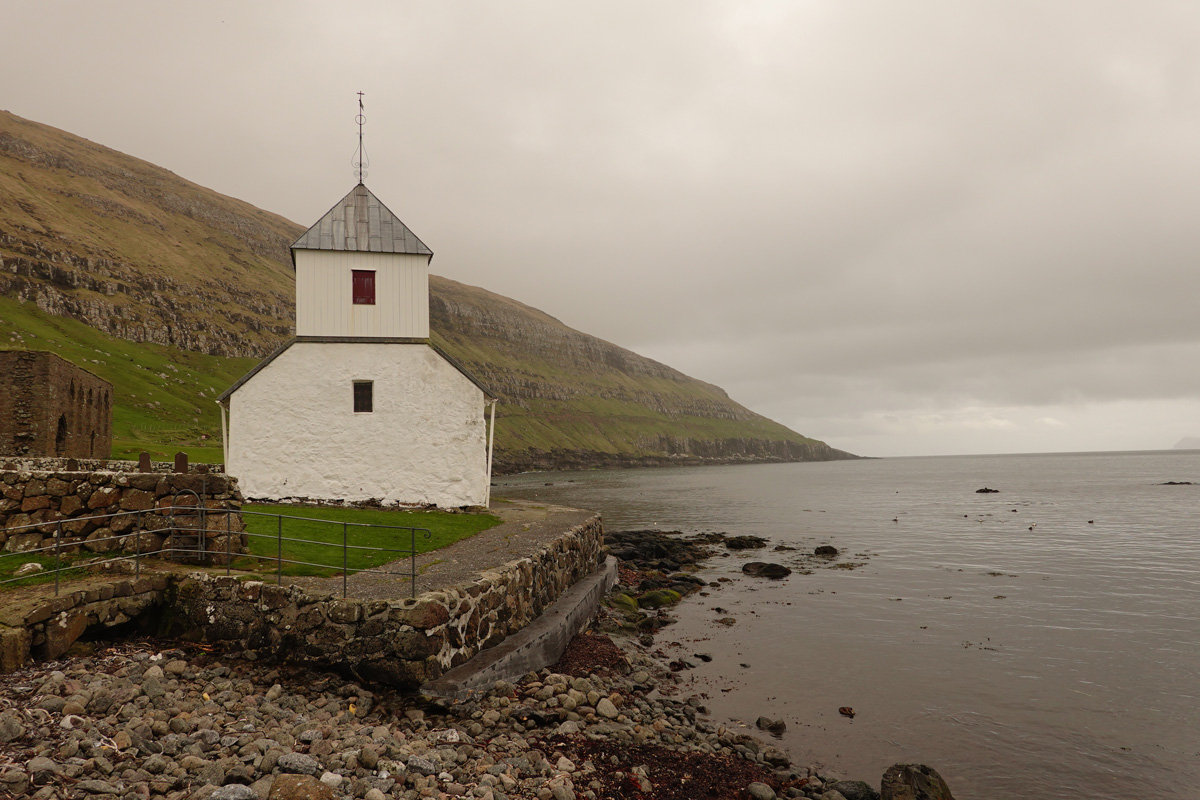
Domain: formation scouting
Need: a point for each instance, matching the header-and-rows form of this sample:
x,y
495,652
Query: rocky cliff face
x,y
133,250
140,254
112,296
535,343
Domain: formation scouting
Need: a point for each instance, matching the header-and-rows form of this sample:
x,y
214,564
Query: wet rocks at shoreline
x,y
657,550
134,721
179,721
745,542
762,569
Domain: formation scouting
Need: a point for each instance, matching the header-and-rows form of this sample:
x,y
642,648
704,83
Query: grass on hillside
x,y
617,423
325,525
164,397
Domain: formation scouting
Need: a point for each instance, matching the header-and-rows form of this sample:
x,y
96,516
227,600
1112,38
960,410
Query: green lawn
x,y
368,528
325,525
11,562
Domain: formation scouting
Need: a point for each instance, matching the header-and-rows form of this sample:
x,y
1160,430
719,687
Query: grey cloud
x,y
844,213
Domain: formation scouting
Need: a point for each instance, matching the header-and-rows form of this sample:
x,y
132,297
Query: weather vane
x,y
361,162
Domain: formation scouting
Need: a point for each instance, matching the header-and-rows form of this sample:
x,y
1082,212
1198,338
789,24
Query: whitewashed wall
x,y
293,431
324,297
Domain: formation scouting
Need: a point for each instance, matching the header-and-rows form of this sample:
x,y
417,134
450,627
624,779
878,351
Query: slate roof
x,y
361,223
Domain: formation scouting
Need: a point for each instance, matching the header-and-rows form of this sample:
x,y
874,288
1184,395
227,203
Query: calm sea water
x,y
1042,642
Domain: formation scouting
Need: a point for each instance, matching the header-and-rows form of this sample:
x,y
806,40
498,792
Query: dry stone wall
x,y
55,464
403,643
45,630
107,511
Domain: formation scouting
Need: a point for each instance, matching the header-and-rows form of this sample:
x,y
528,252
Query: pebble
x,y
130,722
760,791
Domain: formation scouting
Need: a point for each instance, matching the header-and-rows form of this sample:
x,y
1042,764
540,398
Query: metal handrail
x,y
170,512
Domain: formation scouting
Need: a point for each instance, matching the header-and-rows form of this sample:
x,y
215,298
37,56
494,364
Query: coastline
x,y
186,721
612,719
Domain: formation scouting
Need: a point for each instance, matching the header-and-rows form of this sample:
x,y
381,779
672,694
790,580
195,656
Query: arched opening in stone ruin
x,y
60,436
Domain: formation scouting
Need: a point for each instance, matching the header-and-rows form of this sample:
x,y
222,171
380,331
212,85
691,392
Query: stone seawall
x,y
44,629
101,511
402,643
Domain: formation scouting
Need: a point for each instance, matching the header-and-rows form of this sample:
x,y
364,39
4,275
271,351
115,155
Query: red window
x,y
364,287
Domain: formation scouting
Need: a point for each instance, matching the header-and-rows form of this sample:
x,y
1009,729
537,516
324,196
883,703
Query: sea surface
x,y
1040,642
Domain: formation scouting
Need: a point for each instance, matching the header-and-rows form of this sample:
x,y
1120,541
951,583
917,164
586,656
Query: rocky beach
x,y
613,719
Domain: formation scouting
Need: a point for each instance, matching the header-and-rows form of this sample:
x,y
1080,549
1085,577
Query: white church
x,y
360,405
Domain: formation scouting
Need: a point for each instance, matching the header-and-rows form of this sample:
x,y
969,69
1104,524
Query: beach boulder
x,y
913,782
659,598
621,601
762,569
855,790
745,542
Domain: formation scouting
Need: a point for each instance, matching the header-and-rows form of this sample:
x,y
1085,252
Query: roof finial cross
x,y
360,158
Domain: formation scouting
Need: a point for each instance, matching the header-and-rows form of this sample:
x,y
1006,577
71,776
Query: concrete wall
x,y
293,431
50,407
83,502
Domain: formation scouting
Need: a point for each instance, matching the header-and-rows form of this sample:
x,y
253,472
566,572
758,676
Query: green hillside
x,y
171,292
164,397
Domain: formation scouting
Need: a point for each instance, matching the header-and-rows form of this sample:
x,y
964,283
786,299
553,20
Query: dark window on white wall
x,y
364,399
364,287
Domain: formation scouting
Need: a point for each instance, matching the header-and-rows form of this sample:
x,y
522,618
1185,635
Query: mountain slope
x,y
159,270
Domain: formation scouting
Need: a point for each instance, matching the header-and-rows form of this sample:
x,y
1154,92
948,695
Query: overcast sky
x,y
905,228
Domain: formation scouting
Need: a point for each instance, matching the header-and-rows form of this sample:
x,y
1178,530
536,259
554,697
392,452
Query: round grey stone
x,y
10,727
856,790
760,791
422,765
234,791
298,764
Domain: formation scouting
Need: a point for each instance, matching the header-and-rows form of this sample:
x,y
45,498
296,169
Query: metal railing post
x,y
203,537
279,558
412,576
345,559
57,548
137,552
228,536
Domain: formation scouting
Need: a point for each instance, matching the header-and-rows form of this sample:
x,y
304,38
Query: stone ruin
x,y
50,407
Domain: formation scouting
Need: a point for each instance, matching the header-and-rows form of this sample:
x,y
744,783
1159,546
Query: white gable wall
x,y
325,302
294,432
